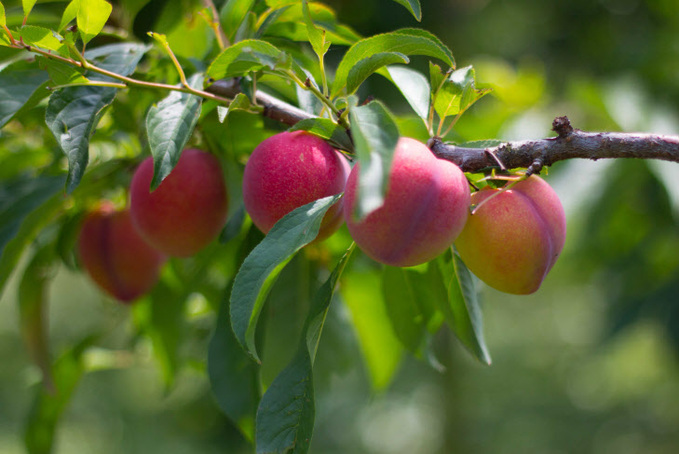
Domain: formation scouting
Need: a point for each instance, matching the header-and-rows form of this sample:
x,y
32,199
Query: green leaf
x,y
73,113
27,204
436,76
260,269
364,68
43,38
413,6
414,87
316,36
458,93
70,13
285,416
32,311
18,81
375,136
326,129
169,125
244,57
233,375
240,102
464,313
3,17
232,15
381,349
62,73
48,406
91,18
28,6
407,41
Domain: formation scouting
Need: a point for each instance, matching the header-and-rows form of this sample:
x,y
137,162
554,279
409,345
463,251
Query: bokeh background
x,y
588,364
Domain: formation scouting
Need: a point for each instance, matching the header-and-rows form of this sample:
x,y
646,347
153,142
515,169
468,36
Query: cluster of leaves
x,y
105,99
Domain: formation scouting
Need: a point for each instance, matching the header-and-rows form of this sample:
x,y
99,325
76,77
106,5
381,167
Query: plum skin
x,y
291,169
187,210
425,207
115,256
514,238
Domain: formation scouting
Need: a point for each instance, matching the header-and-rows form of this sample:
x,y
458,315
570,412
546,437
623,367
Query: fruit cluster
x,y
510,239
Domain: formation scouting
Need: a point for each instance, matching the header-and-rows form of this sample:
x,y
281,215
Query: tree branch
x,y
569,143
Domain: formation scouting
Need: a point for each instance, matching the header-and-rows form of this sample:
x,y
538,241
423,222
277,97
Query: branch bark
x,y
569,143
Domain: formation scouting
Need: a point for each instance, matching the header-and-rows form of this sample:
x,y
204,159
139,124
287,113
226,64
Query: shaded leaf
x,y
73,113
375,136
260,269
232,15
169,125
62,73
364,68
407,41
18,81
413,6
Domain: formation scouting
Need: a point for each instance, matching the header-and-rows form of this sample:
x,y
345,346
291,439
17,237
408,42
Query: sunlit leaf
x,y
364,68
317,36
458,93
414,87
43,38
91,18
233,14
244,57
375,136
28,6
260,269
169,125
70,13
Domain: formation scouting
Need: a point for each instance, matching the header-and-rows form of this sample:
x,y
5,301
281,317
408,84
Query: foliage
x,y
104,86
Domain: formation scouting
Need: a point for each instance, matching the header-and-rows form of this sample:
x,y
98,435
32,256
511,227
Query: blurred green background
x,y
588,364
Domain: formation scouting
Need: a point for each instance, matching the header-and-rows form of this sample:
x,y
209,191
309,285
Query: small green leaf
x,y
27,204
73,113
458,93
413,6
240,102
70,13
414,87
407,41
43,38
91,18
464,313
364,68
375,136
244,57
18,81
326,129
28,6
316,36
436,76
285,416
3,17
260,269
48,406
169,125
233,375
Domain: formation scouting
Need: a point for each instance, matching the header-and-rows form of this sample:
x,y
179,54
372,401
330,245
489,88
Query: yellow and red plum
x,y
291,169
187,210
514,238
425,207
114,255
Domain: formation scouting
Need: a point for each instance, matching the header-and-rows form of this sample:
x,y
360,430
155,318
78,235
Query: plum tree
x,y
115,256
291,169
425,208
187,210
514,237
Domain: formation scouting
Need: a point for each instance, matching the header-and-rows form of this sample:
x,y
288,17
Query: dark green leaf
x,y
285,417
62,73
326,129
375,136
232,15
413,6
18,81
260,269
414,87
233,225
27,204
32,311
91,18
408,41
233,375
403,306
169,125
73,113
464,314
364,68
48,406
